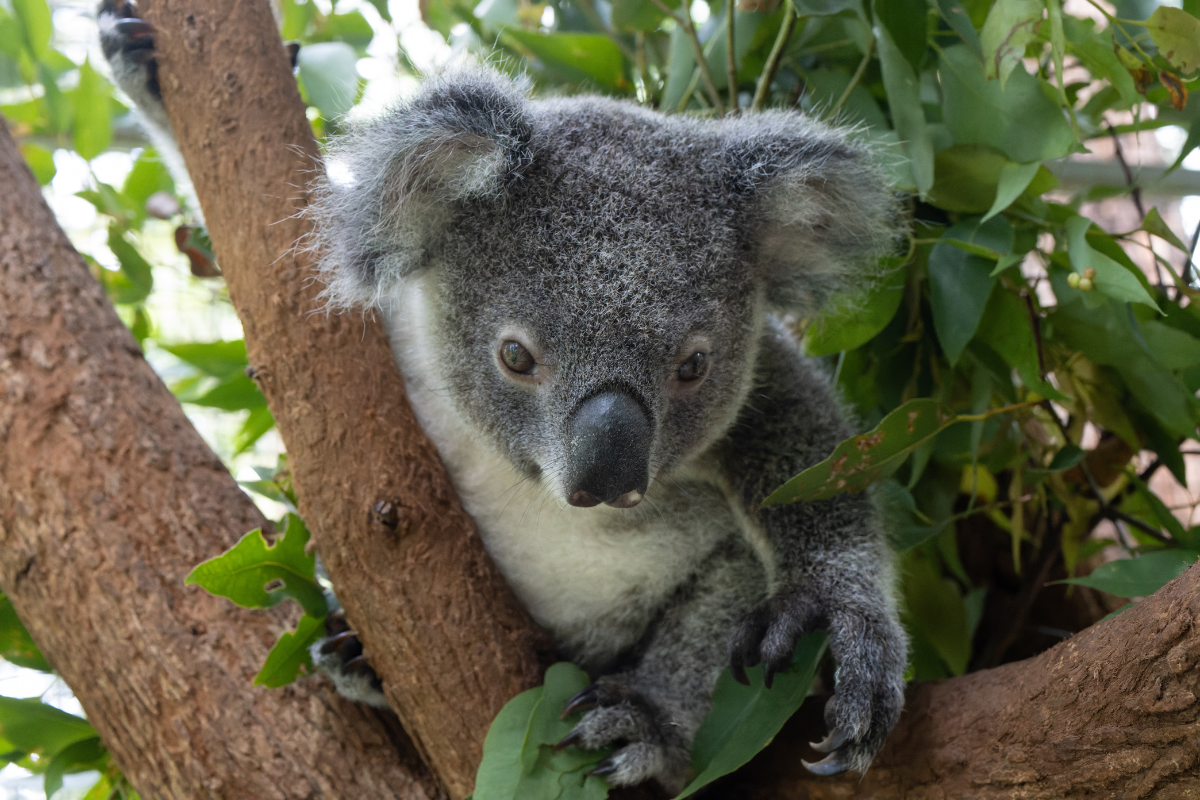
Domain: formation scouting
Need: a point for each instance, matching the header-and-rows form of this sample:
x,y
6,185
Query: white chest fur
x,y
593,577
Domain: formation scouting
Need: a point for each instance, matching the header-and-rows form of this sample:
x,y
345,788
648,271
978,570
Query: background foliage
x,y
1027,372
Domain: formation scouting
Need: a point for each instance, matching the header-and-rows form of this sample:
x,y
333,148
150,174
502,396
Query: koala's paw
x,y
128,44
340,656
871,653
646,746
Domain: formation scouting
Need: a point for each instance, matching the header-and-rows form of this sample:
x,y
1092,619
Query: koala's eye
x,y
516,357
695,368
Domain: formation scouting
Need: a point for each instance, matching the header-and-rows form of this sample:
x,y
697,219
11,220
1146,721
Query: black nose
x,y
608,447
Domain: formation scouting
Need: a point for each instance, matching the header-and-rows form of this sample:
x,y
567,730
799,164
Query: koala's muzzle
x,y
608,451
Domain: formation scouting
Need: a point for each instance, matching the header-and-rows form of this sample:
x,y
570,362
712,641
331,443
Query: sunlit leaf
x,y
87,754
290,654
330,74
16,645
40,161
1140,576
221,359
135,269
584,57
33,17
92,128
1010,26
34,726
243,573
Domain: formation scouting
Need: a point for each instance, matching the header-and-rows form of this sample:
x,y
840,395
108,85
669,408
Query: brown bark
x,y
1109,713
447,637
108,497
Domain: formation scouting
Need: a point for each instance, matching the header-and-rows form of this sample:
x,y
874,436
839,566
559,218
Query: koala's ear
x,y
820,209
392,184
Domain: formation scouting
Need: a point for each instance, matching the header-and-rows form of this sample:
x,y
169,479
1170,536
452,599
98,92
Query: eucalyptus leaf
x,y
82,755
745,719
291,654
243,573
221,359
1112,279
134,268
330,74
92,126
1140,576
959,287
35,727
1014,180
853,321
16,645
1176,34
904,98
583,57
1010,26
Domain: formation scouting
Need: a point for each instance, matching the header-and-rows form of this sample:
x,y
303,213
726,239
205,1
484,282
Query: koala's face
x,y
600,326
599,271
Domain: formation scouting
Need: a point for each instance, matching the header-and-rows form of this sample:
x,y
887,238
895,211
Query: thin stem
x,y
1190,265
1035,321
685,19
643,71
858,73
731,56
769,71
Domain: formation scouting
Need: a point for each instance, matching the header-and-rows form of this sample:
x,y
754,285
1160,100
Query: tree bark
x,y
443,630
1109,713
108,497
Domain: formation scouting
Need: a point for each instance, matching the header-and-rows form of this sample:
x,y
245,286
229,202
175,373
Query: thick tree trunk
x,y
1110,713
447,637
108,497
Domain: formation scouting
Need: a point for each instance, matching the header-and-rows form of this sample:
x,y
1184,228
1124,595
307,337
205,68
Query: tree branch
x,y
443,630
108,498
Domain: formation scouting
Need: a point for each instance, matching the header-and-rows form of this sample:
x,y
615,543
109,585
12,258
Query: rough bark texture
x,y
1109,713
108,496
445,634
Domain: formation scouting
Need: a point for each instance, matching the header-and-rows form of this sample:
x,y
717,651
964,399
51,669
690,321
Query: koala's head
x,y
598,273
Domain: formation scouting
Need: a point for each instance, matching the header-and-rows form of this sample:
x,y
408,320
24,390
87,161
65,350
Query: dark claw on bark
x,y
572,738
357,664
334,642
134,28
604,767
833,741
585,698
832,764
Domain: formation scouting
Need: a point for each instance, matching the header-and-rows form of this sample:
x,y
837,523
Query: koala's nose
x,y
608,440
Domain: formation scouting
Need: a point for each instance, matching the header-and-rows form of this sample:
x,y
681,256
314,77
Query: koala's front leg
x,y
128,44
833,569
651,712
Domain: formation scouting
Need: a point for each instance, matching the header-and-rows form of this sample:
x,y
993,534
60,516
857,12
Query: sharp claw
x,y
585,698
604,767
832,764
739,673
334,642
572,738
356,663
769,676
133,27
833,741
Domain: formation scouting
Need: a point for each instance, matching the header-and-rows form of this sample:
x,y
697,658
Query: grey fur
x,y
613,242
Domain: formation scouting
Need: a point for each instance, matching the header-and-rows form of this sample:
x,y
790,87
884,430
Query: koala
x,y
589,304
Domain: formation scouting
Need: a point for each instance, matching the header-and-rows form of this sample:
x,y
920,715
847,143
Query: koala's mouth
x,y
609,436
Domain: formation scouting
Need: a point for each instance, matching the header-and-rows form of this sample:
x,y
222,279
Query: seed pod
x,y
1073,280
1085,284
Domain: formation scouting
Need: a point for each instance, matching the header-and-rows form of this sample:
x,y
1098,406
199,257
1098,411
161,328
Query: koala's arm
x,y
833,567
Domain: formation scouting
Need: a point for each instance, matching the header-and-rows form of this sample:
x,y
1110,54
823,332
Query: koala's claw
x,y
646,745
585,698
340,656
834,741
834,764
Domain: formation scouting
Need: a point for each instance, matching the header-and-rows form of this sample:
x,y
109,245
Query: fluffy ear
x,y
392,184
821,211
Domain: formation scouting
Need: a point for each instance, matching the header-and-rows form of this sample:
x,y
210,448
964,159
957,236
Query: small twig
x,y
1110,513
1187,268
1145,474
1136,194
685,19
858,73
769,71
730,56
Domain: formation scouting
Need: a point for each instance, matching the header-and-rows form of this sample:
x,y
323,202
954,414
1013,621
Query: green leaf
x,y
959,286
243,572
33,17
221,359
904,98
1112,279
958,19
1007,329
862,460
851,322
934,608
1174,348
83,755
330,74
290,653
40,161
351,28
233,394
905,23
637,15
519,762
1014,180
679,70
1176,34
134,268
1019,119
382,7
745,719
580,57
58,108
1153,223
1010,26
93,128
32,726
16,645
257,423
1140,576
147,177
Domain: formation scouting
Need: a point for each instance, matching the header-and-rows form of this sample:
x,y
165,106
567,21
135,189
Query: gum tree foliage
x,y
1006,326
